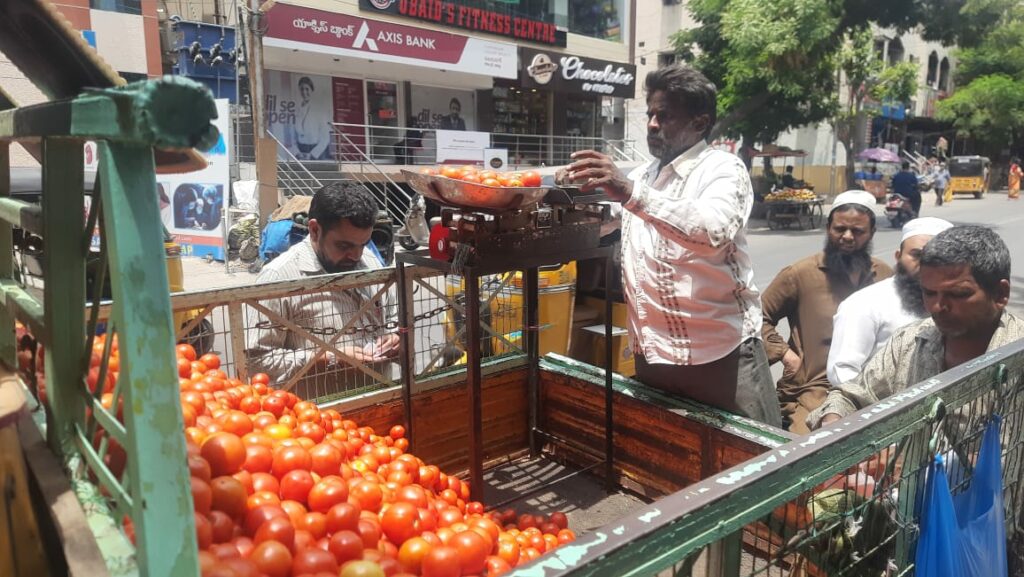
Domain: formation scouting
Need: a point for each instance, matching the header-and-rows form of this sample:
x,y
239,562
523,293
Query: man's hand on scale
x,y
596,170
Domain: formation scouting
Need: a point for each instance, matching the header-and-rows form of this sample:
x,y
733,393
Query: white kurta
x,y
862,325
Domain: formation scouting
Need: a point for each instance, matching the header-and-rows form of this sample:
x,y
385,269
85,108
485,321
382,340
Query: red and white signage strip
x,y
295,27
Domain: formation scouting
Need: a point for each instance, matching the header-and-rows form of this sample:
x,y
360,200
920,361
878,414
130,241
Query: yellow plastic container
x,y
556,299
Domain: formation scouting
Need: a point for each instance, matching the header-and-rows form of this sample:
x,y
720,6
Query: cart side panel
x,y
657,450
440,418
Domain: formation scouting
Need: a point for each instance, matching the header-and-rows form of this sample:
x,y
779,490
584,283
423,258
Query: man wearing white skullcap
x,y
868,317
807,294
965,280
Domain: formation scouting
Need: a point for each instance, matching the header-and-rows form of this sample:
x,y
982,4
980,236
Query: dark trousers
x,y
915,203
740,382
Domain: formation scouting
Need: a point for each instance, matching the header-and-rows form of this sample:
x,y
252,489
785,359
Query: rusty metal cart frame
x,y
804,214
530,265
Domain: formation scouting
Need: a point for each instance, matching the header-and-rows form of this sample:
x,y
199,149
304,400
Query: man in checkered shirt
x,y
694,312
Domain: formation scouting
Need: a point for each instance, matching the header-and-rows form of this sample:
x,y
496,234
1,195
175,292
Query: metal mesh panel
x,y
843,501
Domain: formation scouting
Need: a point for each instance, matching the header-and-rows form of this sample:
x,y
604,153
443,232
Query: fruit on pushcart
x,y
791,195
283,488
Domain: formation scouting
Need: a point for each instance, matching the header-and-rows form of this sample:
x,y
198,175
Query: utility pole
x,y
265,147
835,133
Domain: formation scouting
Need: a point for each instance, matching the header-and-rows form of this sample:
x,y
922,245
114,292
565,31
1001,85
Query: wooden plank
x,y
646,434
80,550
440,418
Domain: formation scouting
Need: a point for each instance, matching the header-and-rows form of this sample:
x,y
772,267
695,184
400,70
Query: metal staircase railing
x,y
292,180
354,162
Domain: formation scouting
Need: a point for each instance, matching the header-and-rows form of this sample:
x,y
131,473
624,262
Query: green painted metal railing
x,y
135,450
844,500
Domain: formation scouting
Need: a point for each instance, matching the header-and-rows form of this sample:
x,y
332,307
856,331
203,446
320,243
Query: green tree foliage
x,y
775,62
990,109
988,104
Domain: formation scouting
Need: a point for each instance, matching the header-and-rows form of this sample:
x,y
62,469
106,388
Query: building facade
x,y
390,73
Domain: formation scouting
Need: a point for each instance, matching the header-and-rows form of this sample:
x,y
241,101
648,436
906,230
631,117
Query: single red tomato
x,y
204,531
497,566
343,517
202,495
272,558
229,496
296,485
531,178
222,525
442,561
224,452
400,522
412,552
314,560
368,494
211,361
290,459
186,351
473,550
256,517
345,546
279,529
327,494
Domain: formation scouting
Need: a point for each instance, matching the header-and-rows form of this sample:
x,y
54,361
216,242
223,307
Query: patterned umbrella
x,y
878,155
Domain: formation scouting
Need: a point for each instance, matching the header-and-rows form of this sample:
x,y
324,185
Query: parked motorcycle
x,y
899,210
415,232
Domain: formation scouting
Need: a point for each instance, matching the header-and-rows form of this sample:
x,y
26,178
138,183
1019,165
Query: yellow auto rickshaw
x,y
968,175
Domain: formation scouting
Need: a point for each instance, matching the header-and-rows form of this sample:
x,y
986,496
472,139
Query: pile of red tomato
x,y
477,175
282,488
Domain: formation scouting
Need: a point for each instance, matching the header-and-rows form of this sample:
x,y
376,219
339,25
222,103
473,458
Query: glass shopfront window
x,y
581,117
382,110
521,124
601,19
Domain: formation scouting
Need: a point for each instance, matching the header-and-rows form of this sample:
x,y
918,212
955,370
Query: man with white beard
x,y
868,317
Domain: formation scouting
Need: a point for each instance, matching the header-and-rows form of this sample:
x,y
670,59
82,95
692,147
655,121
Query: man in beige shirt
x,y
807,294
965,280
341,222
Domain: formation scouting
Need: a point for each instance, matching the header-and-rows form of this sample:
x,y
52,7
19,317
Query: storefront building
x,y
388,72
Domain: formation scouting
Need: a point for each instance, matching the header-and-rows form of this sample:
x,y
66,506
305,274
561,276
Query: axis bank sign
x,y
576,74
307,29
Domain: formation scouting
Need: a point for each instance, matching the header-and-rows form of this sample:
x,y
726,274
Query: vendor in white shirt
x,y
867,318
694,312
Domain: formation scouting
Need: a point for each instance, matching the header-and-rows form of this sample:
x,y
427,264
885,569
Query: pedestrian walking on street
x,y
1014,179
940,180
807,294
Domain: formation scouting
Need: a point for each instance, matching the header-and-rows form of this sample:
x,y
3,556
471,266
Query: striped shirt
x,y
283,353
686,269
914,354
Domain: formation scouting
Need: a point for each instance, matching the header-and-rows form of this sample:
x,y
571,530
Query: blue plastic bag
x,y
965,535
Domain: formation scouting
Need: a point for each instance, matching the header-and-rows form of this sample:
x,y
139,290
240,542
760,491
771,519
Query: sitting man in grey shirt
x,y
352,321
965,280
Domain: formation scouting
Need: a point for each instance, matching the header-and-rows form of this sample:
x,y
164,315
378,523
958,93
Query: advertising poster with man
x,y
443,108
192,204
300,108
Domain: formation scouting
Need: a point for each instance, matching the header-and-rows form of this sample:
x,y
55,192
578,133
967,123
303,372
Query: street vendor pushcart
x,y
800,214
